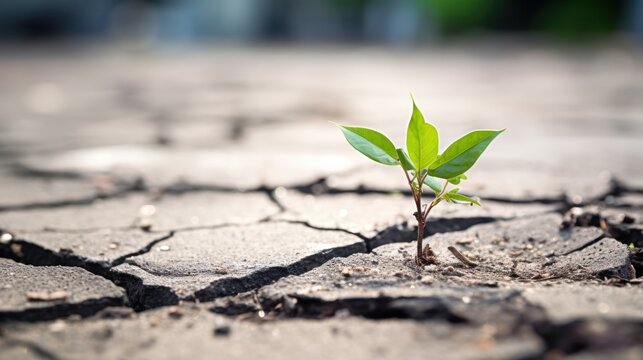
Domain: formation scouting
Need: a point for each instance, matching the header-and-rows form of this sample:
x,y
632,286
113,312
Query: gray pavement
x,y
162,207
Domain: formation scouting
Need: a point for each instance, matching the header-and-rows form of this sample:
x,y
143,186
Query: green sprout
x,y
423,166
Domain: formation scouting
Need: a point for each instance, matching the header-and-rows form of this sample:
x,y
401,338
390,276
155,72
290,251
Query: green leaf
x,y
421,140
433,183
376,146
454,190
462,154
459,198
457,179
404,160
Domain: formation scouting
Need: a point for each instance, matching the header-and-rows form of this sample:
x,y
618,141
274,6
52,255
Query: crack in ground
x,y
144,296
582,247
26,252
233,286
512,312
145,249
315,227
75,202
56,311
399,233
315,187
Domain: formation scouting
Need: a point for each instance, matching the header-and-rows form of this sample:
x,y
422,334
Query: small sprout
x,y
423,165
631,246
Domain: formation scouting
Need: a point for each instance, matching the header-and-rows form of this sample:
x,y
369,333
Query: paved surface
x,y
166,205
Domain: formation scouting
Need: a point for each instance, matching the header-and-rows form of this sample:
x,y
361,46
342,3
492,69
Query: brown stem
x,y
421,258
421,221
420,238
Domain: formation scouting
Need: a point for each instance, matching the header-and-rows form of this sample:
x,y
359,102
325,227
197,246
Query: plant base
x,y
427,258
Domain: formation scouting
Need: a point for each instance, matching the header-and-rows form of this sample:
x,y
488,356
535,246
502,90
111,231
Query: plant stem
x,y
420,215
421,220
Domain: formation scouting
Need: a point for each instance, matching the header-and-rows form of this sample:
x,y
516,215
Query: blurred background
x,y
201,91
374,21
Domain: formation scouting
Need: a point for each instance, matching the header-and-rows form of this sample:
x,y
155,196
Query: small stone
x,y
222,329
221,271
47,296
66,250
431,268
145,224
113,245
464,241
281,192
452,272
289,304
16,249
164,248
347,272
175,312
627,219
427,279
5,238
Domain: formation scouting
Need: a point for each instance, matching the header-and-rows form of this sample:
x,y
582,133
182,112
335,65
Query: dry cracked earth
x,y
162,206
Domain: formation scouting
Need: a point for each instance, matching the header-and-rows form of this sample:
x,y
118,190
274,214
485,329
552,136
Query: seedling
x,y
422,165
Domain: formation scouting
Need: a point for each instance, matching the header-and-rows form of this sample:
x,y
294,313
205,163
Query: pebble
x,y
427,279
175,312
222,329
5,238
347,272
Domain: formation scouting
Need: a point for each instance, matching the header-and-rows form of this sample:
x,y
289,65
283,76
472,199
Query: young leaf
x,y
455,197
376,146
433,183
404,160
457,179
462,154
421,140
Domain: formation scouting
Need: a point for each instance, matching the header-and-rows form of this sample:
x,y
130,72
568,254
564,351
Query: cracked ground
x,y
200,205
